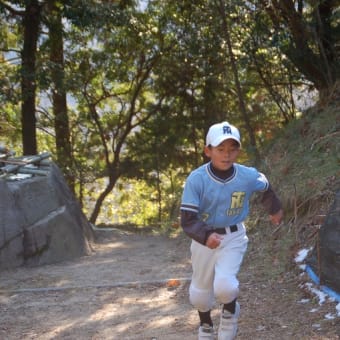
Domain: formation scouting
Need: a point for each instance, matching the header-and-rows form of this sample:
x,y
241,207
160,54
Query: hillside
x,y
303,163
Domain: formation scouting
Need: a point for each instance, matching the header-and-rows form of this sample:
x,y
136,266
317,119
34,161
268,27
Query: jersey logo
x,y
237,201
204,217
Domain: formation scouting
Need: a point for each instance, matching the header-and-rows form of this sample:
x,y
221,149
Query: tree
x,y
115,90
31,19
307,33
31,23
59,95
9,79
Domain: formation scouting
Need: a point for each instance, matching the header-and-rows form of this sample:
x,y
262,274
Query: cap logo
x,y
226,129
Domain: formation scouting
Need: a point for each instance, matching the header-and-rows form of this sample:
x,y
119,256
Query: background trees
x,y
29,19
120,91
308,33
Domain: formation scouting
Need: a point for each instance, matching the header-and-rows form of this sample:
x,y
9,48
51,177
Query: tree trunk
x,y
101,198
61,121
31,22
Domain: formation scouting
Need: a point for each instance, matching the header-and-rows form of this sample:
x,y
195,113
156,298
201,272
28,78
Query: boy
x,y
215,203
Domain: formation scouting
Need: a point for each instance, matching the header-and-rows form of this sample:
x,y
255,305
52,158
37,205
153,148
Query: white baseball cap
x,y
220,132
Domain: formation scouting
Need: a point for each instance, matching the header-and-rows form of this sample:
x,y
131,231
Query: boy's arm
x,y
273,205
277,217
194,227
198,230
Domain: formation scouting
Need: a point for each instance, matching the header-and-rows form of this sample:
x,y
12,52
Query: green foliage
x,y
10,109
136,202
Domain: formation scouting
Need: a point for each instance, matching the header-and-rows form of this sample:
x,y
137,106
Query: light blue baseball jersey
x,y
221,203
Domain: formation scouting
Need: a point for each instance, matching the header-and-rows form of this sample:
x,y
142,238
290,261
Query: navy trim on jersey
x,y
217,178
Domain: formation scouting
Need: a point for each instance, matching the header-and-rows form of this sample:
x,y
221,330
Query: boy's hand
x,y
277,218
214,240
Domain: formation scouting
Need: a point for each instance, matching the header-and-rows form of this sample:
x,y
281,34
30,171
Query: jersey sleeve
x,y
191,194
269,200
261,182
191,224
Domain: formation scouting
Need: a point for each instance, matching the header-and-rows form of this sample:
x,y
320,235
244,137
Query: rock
x,y
325,257
41,222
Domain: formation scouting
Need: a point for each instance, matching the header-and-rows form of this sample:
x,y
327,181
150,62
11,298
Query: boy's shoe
x,y
228,324
206,332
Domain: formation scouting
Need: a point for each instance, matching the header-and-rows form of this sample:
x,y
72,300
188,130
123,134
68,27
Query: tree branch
x,y
11,9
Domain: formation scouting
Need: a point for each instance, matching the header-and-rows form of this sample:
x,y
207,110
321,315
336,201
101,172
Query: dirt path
x,y
125,291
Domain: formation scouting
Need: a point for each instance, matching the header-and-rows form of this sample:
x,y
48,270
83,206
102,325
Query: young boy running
x,y
215,203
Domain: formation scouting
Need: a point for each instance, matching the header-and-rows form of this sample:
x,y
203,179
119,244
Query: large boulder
x,y
41,222
325,257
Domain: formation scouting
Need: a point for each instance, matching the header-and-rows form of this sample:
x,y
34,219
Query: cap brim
x,y
221,139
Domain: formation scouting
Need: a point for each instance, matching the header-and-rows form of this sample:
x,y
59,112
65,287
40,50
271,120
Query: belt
x,y
223,231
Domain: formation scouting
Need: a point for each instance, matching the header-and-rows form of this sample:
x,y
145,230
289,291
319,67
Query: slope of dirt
x,y
134,286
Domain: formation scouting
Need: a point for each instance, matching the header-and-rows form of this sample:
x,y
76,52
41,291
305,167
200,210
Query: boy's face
x,y
224,155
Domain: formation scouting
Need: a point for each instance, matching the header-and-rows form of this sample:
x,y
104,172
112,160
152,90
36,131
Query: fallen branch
x,y
324,137
30,160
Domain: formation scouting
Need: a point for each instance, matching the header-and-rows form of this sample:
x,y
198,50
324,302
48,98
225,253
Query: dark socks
x,y
230,307
205,318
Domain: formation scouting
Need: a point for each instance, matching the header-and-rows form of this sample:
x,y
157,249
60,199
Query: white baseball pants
x,y
215,270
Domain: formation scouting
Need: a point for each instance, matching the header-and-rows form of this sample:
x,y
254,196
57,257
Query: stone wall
x,y
41,222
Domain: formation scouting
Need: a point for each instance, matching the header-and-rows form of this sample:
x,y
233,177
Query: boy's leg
x,y
205,318
230,307
228,324
201,287
203,266
229,259
226,285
